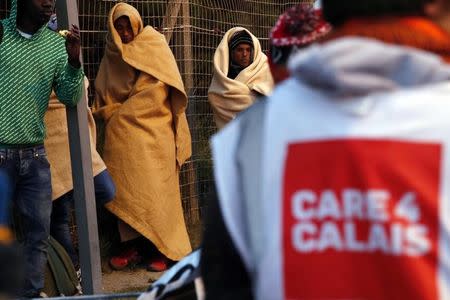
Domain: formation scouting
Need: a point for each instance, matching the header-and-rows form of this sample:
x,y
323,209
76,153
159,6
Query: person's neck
x,y
25,24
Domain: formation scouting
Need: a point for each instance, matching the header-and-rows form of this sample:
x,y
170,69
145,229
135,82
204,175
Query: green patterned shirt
x,y
29,69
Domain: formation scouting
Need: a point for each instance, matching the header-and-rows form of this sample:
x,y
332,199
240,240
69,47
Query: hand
x,y
73,46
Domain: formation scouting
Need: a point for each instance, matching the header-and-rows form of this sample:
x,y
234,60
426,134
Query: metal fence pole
x,y
80,151
188,71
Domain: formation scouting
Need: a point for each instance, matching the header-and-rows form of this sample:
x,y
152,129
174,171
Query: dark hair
x,y
337,12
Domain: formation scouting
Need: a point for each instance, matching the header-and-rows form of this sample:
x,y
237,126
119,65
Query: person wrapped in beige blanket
x,y
140,97
58,155
241,74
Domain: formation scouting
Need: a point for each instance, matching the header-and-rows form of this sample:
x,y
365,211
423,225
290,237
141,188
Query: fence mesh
x,y
193,28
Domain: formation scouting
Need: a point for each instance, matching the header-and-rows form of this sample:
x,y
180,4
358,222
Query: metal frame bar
x,y
80,152
170,19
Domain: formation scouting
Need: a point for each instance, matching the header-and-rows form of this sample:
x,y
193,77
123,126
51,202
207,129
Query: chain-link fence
x,y
193,29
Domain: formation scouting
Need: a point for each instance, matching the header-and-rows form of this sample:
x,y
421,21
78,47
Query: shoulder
x,y
435,94
152,38
54,45
149,30
52,36
4,22
53,39
440,90
4,25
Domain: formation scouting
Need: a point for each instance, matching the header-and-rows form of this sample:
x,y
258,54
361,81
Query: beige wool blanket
x,y
57,147
140,96
228,96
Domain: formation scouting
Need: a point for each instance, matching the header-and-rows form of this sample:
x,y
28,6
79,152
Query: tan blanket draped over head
x,y
57,147
140,95
228,96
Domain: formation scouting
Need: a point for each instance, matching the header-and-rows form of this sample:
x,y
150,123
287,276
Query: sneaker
x,y
158,265
127,258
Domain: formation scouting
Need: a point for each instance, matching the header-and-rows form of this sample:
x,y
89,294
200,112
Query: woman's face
x,y
123,27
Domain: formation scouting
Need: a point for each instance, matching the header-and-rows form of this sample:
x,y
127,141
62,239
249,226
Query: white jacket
x,y
337,187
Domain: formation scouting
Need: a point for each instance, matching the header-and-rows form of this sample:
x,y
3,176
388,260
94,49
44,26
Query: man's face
x,y
123,27
39,11
242,55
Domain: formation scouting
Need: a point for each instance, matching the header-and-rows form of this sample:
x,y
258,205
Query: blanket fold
x,y
57,147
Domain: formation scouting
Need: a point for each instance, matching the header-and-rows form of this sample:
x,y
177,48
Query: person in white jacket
x,y
337,186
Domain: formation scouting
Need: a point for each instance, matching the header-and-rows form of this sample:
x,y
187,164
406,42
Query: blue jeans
x,y
105,190
25,178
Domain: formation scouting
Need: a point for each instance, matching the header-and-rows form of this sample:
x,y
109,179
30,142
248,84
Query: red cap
x,y
299,26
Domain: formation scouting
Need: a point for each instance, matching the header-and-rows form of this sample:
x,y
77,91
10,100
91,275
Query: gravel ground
x,y
137,280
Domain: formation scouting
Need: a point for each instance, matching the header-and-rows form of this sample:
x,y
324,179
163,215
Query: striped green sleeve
x,y
69,84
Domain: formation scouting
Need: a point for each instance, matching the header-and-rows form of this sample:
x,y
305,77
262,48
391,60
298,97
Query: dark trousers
x,y
105,191
25,178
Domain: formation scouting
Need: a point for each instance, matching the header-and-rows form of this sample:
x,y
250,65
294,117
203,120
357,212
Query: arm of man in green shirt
x,y
69,79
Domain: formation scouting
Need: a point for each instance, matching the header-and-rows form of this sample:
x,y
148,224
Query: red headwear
x,y
299,26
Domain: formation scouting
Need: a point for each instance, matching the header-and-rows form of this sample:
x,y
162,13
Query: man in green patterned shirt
x,y
33,61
